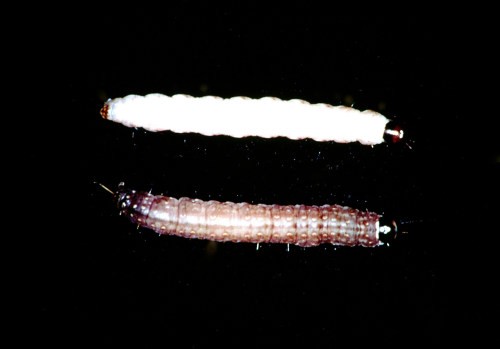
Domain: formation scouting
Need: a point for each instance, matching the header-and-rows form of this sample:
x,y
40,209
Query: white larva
x,y
241,117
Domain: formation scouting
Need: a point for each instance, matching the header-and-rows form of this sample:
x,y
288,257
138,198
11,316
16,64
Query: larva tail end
x,y
104,111
393,133
388,230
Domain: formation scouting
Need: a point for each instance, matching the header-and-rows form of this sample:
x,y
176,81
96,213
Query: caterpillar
x,y
267,117
242,222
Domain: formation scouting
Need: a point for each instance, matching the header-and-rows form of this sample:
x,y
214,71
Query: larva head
x,y
123,197
393,133
104,111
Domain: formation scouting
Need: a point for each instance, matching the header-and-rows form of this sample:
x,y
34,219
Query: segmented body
x,y
241,117
242,222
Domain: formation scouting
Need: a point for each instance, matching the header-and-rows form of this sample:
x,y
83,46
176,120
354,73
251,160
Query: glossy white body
x,y
241,117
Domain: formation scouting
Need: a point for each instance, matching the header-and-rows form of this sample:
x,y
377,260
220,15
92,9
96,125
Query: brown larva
x,y
242,222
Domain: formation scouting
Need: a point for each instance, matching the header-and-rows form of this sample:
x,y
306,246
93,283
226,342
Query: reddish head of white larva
x,y
242,222
241,117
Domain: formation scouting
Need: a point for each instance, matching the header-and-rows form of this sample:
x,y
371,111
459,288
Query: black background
x,y
111,281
